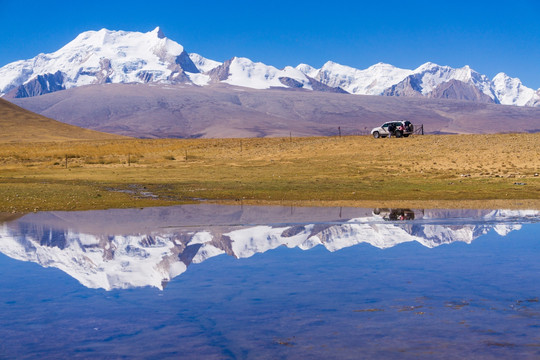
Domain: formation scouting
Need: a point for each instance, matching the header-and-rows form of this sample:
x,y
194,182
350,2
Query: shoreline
x,y
528,204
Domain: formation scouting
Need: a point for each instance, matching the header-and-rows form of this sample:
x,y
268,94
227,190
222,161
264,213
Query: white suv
x,y
395,128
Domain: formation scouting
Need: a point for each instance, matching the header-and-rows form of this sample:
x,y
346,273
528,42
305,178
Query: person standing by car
x,y
391,130
409,127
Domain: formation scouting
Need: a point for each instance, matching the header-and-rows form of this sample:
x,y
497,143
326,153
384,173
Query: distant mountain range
x,y
104,56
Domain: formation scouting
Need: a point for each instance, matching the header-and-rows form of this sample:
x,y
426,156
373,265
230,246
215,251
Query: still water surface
x,y
235,282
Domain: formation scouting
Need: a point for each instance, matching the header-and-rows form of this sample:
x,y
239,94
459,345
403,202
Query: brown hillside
x,y
20,125
220,111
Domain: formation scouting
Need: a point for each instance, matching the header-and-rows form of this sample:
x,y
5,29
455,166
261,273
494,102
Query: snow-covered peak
x,y
535,100
104,56
202,63
371,81
331,65
159,33
380,66
256,75
502,78
112,43
297,75
465,74
428,66
510,91
308,70
446,73
430,75
244,72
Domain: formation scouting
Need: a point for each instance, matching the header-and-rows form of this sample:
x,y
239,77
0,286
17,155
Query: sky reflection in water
x,y
349,283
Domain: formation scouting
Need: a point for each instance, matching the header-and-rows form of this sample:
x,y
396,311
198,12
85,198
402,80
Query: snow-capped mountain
x,y
246,73
104,56
256,75
109,259
511,91
535,101
437,81
203,64
97,57
371,81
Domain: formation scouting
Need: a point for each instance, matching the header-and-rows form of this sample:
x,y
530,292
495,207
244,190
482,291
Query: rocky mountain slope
x,y
104,56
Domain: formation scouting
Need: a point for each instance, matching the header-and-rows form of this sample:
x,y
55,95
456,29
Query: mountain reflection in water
x,y
113,249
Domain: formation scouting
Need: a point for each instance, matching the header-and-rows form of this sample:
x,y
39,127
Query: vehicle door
x,y
384,129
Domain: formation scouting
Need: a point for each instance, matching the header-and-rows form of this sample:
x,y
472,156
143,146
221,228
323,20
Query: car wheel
x,y
405,135
376,135
399,133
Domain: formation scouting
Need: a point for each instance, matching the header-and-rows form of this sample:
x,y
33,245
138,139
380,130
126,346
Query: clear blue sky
x,y
490,36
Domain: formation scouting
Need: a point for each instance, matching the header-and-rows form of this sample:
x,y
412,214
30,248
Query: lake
x,y
253,282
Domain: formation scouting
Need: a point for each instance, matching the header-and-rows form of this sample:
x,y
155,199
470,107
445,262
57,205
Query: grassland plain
x,y
475,171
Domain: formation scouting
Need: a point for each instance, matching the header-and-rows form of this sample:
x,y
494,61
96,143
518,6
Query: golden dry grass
x,y
442,171
20,125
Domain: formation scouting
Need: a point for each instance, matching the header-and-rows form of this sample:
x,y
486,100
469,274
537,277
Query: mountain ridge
x,y
105,56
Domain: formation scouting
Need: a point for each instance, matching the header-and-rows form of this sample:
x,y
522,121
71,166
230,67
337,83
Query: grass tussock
x,y
346,170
